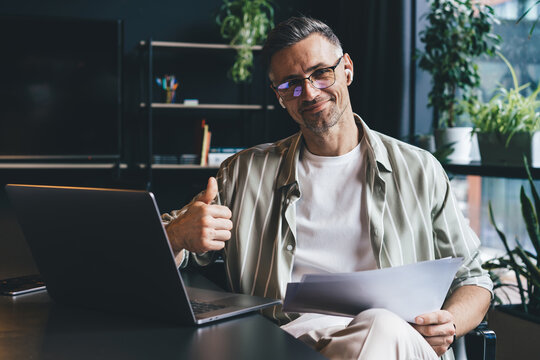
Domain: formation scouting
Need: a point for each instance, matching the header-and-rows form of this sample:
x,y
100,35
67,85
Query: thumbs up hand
x,y
210,193
204,226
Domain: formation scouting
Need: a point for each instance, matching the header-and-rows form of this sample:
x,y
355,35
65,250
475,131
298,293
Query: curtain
x,y
377,34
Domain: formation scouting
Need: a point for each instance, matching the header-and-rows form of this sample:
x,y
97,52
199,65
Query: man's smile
x,y
314,107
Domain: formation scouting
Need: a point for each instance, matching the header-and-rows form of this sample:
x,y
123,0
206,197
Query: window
x,y
523,52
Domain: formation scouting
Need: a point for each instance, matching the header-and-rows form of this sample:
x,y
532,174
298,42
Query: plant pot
x,y
516,332
493,150
425,141
460,139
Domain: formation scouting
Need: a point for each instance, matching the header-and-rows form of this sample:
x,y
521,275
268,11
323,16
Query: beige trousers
x,y
372,334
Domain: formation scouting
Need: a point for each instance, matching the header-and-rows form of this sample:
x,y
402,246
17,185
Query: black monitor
x,y
60,88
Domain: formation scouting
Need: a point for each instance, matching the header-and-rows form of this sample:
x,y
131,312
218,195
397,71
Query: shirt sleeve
x,y
453,236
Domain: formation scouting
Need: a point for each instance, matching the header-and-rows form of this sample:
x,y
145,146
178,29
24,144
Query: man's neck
x,y
338,140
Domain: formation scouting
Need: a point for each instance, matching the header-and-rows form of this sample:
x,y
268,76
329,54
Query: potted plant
x,y
515,325
458,31
246,23
508,124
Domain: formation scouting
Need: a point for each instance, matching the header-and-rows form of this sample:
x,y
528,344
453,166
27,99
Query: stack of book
x,y
218,154
204,154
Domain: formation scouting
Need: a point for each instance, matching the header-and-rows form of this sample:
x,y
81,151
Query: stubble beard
x,y
319,123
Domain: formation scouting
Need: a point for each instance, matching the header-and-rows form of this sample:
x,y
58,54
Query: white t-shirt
x,y
332,223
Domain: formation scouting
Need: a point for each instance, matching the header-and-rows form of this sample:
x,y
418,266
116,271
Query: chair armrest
x,y
480,343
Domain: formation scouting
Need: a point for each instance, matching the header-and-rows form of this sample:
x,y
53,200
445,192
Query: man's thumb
x,y
211,191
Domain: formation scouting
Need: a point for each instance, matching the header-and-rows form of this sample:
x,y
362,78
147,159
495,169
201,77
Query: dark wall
x,y
161,20
371,32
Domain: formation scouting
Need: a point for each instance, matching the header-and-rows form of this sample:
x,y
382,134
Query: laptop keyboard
x,y
202,307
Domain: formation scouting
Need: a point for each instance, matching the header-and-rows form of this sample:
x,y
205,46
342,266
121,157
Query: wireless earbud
x,y
349,74
281,103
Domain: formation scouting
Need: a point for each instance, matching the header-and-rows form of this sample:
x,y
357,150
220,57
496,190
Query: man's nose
x,y
309,92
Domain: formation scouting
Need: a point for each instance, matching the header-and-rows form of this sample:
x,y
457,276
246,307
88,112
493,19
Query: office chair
x,y
480,343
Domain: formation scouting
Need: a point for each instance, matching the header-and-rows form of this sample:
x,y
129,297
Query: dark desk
x,y
33,327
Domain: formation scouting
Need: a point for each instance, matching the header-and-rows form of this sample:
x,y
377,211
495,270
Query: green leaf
x,y
508,111
246,23
532,27
531,220
513,263
533,271
526,12
536,198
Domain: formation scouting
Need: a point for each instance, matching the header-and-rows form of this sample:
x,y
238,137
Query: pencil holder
x,y
167,84
170,96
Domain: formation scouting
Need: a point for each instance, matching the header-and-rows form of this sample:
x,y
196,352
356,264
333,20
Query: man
x,y
336,197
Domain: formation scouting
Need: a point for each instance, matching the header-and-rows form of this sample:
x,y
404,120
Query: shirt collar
x,y
378,152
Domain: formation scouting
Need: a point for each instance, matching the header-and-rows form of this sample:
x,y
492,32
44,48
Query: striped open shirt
x,y
413,215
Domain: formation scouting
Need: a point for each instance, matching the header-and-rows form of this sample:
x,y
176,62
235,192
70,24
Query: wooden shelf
x,y
183,167
59,166
207,106
189,45
148,48
179,167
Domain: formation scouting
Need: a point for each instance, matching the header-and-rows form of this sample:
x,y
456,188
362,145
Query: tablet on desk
x,y
21,285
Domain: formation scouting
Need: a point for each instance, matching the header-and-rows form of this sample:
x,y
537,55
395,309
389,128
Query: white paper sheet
x,y
408,290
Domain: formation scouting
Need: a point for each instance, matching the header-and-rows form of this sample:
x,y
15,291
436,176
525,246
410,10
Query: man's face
x,y
318,110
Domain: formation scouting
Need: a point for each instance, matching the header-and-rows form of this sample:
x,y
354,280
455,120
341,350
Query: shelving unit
x,y
34,166
149,105
496,186
177,44
477,168
179,167
208,106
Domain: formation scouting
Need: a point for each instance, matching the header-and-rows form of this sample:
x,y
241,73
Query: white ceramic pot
x,y
460,139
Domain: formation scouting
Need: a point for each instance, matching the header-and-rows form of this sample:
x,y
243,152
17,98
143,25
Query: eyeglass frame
x,y
308,78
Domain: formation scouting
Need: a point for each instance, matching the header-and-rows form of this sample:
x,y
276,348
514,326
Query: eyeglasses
x,y
319,79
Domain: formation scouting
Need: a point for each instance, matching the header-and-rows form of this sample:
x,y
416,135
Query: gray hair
x,y
294,30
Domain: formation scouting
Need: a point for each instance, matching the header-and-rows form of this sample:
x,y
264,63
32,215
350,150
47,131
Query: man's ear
x,y
349,68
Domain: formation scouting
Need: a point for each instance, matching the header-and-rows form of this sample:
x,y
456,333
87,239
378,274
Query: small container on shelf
x,y
168,84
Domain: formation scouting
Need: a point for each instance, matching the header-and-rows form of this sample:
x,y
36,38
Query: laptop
x,y
107,249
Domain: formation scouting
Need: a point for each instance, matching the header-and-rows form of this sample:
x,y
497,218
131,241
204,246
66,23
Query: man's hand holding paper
x,y
408,291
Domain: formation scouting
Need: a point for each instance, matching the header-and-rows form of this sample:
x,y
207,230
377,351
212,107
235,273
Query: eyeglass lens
x,y
320,79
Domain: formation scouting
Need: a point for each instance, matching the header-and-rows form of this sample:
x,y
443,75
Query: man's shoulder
x,y
397,149
405,157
